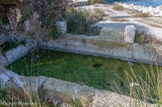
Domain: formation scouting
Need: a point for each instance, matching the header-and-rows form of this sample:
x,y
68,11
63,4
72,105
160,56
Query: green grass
x,y
80,69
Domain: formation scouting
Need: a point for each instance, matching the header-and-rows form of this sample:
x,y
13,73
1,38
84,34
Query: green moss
x,y
88,70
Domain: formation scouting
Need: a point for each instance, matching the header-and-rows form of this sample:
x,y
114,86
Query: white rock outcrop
x,y
150,10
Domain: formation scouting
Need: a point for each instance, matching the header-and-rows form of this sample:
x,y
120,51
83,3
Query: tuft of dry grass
x,y
148,88
119,20
150,24
141,15
118,7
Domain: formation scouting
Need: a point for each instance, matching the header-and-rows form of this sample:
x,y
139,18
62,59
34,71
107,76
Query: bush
x,y
43,15
118,7
80,21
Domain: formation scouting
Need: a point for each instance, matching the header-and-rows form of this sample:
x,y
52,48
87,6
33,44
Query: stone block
x,y
113,35
129,34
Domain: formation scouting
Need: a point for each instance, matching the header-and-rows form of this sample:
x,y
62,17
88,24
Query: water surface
x,y
153,3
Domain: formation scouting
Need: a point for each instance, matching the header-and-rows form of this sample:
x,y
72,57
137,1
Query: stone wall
x,y
110,43
61,92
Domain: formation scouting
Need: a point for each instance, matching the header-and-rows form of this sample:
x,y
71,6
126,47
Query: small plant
x,y
139,38
118,7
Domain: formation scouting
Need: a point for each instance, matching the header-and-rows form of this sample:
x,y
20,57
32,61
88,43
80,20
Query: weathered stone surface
x,y
62,26
6,75
62,92
33,84
129,34
114,35
146,53
93,46
111,99
68,91
27,25
3,61
18,52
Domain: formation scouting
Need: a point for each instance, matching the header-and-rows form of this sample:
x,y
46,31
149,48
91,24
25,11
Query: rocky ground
x,y
120,19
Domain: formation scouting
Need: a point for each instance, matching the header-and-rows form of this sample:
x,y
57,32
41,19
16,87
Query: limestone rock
x,y
33,84
129,34
62,26
146,53
114,35
68,91
3,61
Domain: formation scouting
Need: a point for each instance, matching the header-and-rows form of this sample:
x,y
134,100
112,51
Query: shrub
x,y
139,38
117,7
43,15
80,21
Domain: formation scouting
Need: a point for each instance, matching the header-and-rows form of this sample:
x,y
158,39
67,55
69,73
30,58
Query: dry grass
x,y
153,20
150,24
131,12
141,15
96,1
119,20
105,5
96,5
108,10
118,7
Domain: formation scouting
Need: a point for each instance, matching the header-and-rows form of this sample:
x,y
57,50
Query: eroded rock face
x,y
113,35
129,34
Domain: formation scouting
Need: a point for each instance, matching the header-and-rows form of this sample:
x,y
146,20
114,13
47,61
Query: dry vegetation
x,y
141,15
119,20
153,20
96,1
118,7
150,24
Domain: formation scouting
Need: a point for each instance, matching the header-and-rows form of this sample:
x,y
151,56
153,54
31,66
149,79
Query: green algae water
x,y
98,72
